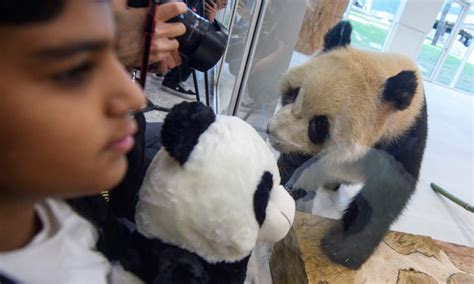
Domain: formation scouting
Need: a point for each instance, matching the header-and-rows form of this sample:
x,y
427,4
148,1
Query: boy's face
x,y
64,105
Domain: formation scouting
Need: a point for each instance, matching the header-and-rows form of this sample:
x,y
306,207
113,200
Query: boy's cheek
x,y
58,142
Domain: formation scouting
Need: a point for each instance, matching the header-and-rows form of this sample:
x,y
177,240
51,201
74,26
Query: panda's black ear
x,y
400,89
182,128
338,36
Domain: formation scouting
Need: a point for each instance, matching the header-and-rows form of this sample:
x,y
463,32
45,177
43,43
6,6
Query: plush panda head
x,y
214,188
344,101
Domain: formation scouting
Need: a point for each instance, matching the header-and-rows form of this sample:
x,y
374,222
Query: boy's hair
x,y
17,12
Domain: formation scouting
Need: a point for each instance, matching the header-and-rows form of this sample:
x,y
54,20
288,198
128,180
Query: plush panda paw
x,y
342,249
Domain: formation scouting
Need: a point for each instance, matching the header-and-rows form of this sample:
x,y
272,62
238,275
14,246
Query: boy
x,y
65,104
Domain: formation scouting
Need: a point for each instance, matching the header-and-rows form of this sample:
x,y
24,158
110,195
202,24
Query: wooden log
x,y
400,258
321,15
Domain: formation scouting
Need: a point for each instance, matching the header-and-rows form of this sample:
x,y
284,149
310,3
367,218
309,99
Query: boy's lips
x,y
125,142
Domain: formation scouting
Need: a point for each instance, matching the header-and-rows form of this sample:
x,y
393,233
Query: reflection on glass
x,y
437,40
233,59
466,80
371,21
276,42
224,16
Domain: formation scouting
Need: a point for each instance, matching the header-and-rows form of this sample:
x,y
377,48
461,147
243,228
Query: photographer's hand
x,y
130,25
210,10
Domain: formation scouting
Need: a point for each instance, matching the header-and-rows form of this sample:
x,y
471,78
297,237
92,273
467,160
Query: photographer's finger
x,y
169,30
163,67
171,62
164,45
210,7
169,10
176,57
119,3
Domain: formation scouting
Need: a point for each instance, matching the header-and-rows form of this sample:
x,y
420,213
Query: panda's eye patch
x,y
318,129
261,197
289,96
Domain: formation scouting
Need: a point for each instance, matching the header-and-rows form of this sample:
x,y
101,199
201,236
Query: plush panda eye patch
x,y
318,129
261,197
289,96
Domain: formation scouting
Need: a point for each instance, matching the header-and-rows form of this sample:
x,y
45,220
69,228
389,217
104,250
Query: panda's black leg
x,y
370,214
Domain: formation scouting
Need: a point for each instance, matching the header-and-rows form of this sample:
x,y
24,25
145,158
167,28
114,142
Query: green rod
x,y
453,198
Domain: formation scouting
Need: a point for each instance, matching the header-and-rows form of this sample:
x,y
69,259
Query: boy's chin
x,y
96,181
110,178
115,174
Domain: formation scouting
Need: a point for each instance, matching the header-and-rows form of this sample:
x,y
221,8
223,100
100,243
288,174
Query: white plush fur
x,y
206,206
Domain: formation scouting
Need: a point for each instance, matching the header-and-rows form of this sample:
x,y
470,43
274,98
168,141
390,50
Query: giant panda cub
x,y
353,117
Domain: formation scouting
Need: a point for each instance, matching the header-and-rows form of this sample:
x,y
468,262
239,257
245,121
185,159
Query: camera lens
x,y
203,43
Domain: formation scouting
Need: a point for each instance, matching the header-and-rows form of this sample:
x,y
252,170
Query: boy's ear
x,y
182,128
338,36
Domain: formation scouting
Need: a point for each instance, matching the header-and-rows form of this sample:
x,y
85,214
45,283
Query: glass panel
x,y
371,21
456,54
466,80
272,54
437,40
239,41
224,16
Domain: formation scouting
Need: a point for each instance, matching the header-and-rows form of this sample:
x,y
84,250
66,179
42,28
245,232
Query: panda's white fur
x,y
345,84
206,205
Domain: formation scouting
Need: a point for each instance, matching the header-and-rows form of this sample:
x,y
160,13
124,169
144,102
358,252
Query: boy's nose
x,y
129,97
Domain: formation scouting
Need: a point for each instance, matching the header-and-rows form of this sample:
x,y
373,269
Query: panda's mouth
x,y
277,145
276,142
282,145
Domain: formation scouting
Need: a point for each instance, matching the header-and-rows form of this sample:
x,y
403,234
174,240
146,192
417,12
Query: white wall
x,y
415,22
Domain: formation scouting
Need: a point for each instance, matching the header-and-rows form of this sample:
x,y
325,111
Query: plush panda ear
x,y
182,128
338,36
400,89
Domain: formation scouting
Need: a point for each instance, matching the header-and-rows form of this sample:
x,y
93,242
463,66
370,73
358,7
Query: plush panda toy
x,y
210,195
353,117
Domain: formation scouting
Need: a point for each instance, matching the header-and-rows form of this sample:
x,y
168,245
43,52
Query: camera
x,y
203,43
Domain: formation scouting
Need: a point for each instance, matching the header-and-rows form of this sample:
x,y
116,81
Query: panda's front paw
x,y
342,249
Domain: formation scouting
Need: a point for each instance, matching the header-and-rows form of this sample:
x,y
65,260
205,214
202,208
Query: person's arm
x,y
130,26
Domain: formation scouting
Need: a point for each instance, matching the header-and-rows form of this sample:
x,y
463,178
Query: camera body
x,y
203,43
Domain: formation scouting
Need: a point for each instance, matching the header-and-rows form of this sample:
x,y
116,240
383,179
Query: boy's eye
x,y
74,76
